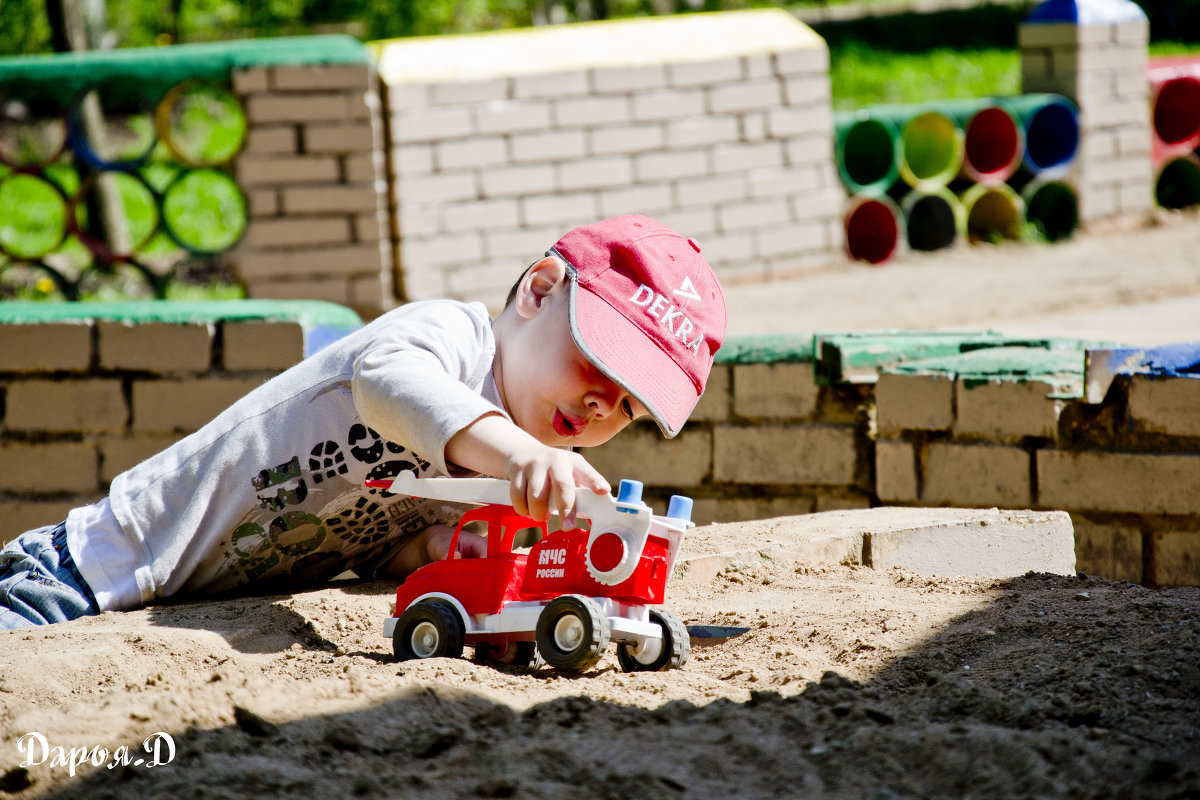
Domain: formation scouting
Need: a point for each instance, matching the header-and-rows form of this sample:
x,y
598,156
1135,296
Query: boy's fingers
x,y
516,494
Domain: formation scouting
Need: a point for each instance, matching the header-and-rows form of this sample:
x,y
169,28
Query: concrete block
x,y
707,511
515,181
757,66
896,471
259,170
1119,482
700,222
1001,409
321,139
1047,35
468,92
432,125
807,90
444,250
564,209
262,203
840,502
45,346
408,97
297,232
166,406
363,167
333,290
977,475
1176,557
1108,549
714,404
271,140
752,215
1164,405
436,188
790,238
49,467
477,151
641,453
267,109
671,165
261,345
753,126
556,145
914,402
800,62
412,159
774,391
119,453
776,454
328,200
712,190
595,173
652,199
339,261
248,81
586,112
787,121
512,117
1134,198
668,104
66,406
481,215
702,131
369,227
155,346
559,84
745,157
704,73
525,245
307,77
628,79
19,516
626,139
745,96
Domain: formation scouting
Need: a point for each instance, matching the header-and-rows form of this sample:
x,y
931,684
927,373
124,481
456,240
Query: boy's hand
x,y
431,545
543,479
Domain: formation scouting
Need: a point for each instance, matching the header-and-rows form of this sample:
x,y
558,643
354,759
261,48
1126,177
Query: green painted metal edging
x,y
1060,367
306,312
766,349
153,70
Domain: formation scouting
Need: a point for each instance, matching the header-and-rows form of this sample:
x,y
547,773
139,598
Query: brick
x,y
1119,482
699,222
437,188
481,215
753,126
19,516
585,112
914,402
669,104
642,453
807,90
412,159
329,200
262,203
757,66
187,405
671,165
302,77
1164,405
1047,34
1176,557
595,173
1110,550
61,406
431,125
1000,409
711,190
49,467
517,180
272,141
559,84
445,250
45,346
548,146
977,475
524,244
408,97
821,455
625,139
264,109
895,471
752,215
512,117
745,96
261,345
651,199
703,73
744,157
468,92
790,238
340,138
297,231
247,81
799,62
155,346
561,208
774,391
714,404
628,79
701,131
119,453
481,280
369,227
363,167
478,151
257,170
337,260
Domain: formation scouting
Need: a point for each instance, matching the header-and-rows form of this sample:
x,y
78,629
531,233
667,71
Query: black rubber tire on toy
x,y
672,652
572,633
517,654
428,630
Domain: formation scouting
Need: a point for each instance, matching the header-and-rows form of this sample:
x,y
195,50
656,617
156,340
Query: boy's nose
x,y
602,400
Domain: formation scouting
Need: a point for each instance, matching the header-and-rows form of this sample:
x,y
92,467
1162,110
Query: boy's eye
x,y
627,409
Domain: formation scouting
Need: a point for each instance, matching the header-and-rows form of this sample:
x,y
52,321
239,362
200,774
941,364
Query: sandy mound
x,y
850,682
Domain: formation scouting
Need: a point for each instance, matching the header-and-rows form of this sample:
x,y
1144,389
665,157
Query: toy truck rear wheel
x,y
428,630
572,633
669,652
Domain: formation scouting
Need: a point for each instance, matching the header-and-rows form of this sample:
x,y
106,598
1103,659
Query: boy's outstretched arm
x,y
543,478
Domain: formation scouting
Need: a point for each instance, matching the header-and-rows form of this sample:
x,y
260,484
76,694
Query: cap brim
x,y
632,360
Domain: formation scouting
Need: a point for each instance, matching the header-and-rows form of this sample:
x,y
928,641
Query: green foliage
x,y
860,75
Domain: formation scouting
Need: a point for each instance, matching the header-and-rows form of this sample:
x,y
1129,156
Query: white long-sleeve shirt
x,y
272,488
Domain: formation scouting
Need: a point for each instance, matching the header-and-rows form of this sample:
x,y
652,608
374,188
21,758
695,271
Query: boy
x,y
619,319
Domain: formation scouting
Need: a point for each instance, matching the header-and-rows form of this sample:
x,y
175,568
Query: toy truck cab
x,y
566,598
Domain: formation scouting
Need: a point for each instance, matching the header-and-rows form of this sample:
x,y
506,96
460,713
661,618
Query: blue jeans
x,y
39,582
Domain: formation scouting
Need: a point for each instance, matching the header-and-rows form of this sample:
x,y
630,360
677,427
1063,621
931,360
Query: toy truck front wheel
x,y
428,630
572,633
670,651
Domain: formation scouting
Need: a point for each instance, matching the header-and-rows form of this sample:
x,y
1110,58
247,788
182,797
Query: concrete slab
x,y
982,543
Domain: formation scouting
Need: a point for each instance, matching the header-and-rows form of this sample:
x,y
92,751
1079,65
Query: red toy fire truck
x,y
568,596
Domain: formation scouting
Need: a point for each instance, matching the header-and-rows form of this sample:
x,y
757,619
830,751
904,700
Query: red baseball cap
x,y
646,309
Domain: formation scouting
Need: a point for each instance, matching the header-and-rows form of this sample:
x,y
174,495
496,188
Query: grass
x,y
861,76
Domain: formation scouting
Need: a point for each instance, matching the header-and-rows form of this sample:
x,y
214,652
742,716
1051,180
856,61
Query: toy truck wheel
x,y
669,652
428,630
572,633
517,654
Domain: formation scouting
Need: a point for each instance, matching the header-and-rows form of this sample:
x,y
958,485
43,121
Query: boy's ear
x,y
540,281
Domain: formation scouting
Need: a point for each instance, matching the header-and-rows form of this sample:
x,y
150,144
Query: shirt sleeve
x,y
417,381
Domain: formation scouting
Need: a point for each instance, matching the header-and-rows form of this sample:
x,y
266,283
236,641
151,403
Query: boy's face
x,y
548,386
